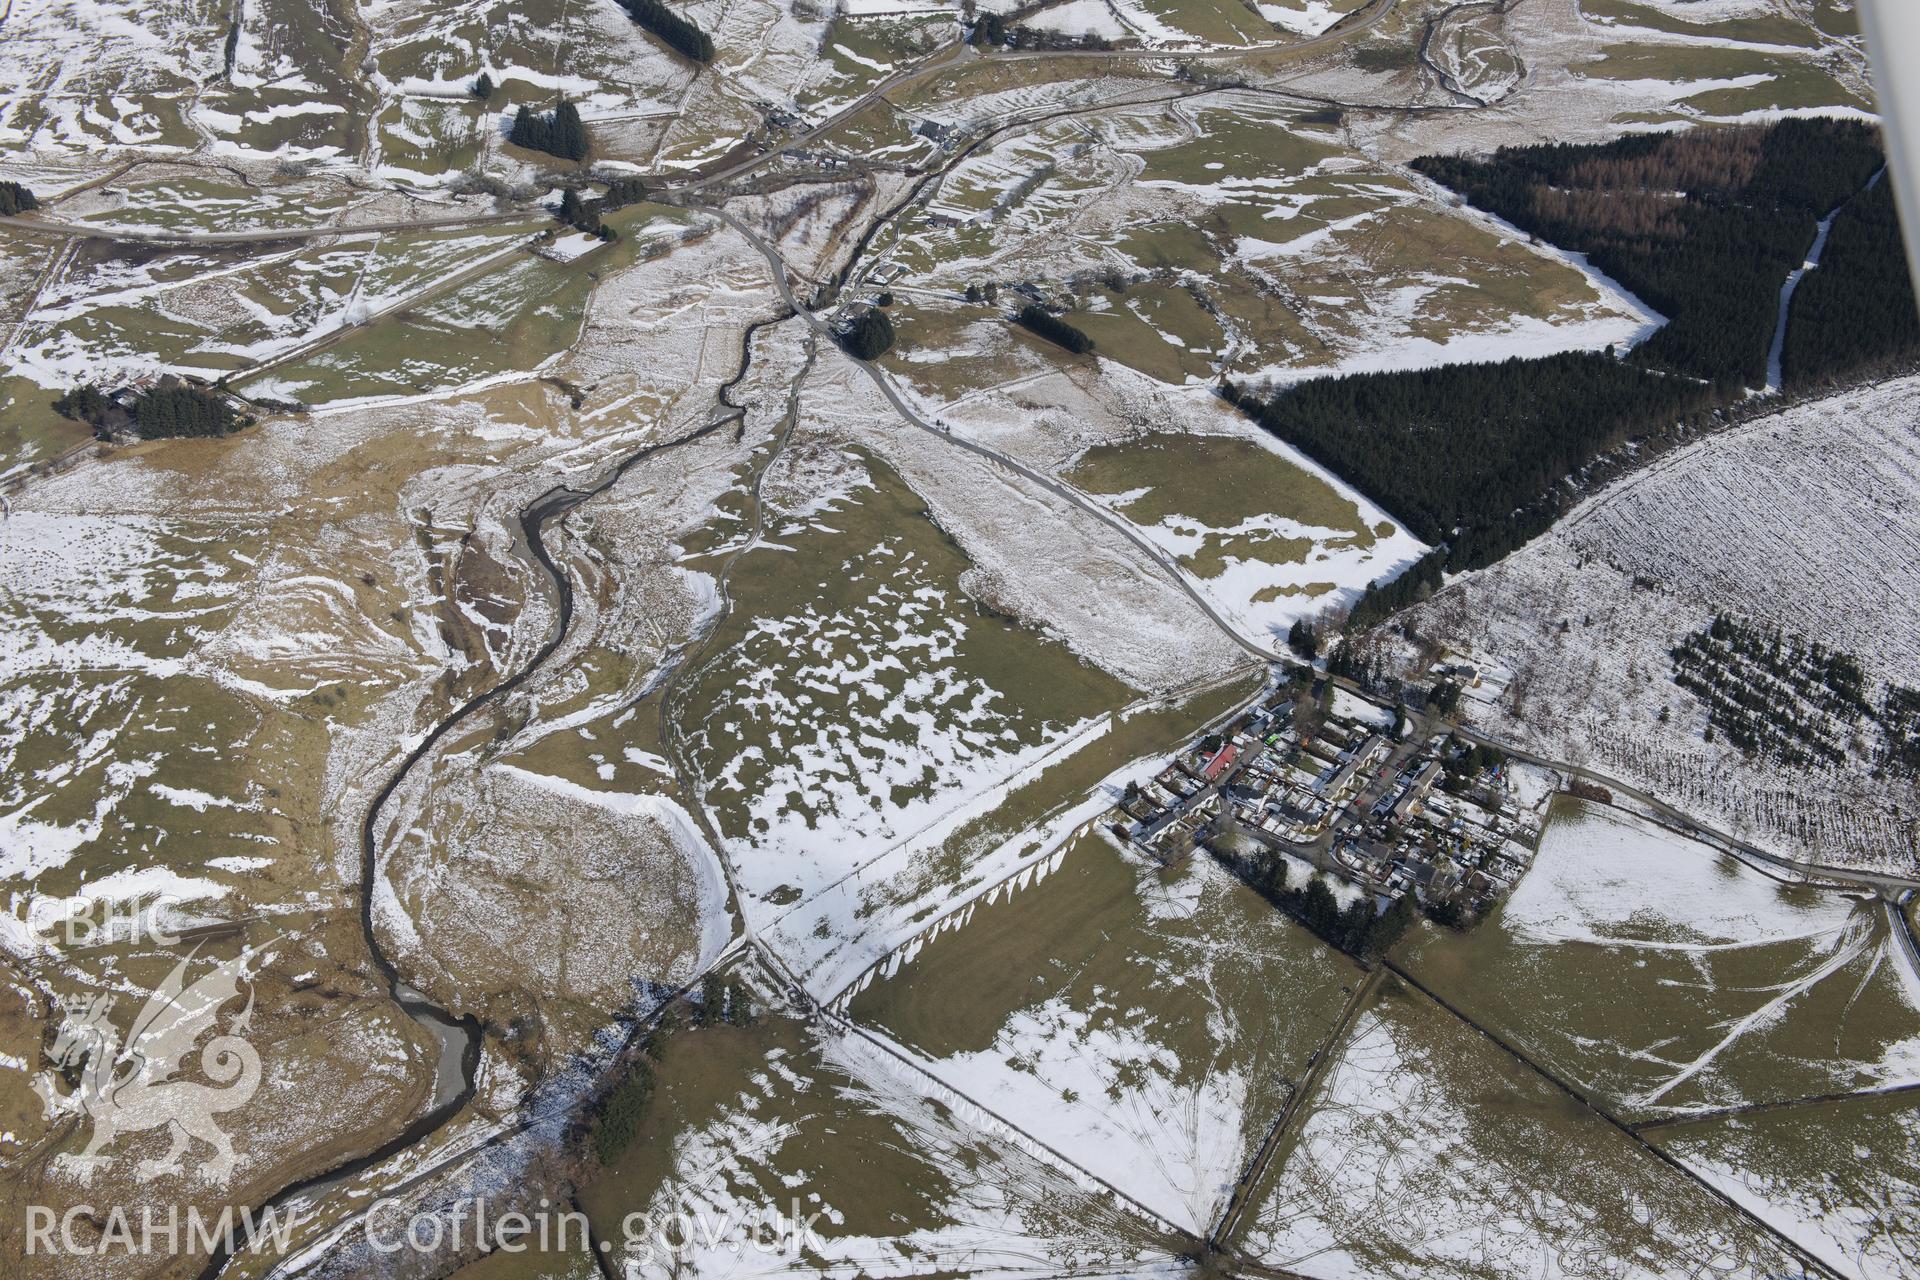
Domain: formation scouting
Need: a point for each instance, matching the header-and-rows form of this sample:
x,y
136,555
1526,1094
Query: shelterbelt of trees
x,y
676,31
161,412
1705,226
1037,319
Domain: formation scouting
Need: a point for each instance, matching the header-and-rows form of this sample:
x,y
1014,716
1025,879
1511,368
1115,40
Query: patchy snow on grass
x,y
1303,17
1426,1152
715,923
1608,877
1080,18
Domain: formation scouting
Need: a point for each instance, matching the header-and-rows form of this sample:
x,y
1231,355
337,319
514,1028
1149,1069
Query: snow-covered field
x,y
1840,1179
892,1174
1426,1151
1802,521
1126,1018
1667,978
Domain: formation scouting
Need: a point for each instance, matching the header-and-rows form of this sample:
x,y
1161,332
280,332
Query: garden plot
x,y
857,695
1426,1151
1841,1178
1147,1024
896,1176
1230,237
1664,978
1792,520
1269,541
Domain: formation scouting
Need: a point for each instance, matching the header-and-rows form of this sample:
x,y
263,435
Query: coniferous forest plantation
x,y
1856,315
1704,226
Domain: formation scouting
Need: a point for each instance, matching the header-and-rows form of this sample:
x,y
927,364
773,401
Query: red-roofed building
x,y
1221,762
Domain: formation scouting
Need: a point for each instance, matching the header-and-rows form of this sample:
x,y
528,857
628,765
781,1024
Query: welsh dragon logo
x,y
130,1088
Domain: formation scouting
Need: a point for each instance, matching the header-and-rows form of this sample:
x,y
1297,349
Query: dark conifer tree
x,y
15,199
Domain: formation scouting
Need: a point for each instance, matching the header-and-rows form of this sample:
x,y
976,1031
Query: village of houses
x,y
1373,799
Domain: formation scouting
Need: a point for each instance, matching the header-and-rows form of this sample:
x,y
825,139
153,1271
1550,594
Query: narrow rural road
x,y
1880,881
958,54
777,265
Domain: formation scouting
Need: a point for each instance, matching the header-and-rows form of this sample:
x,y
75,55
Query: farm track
x,y
1769,1108
1297,1100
